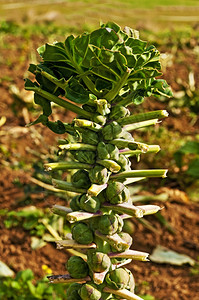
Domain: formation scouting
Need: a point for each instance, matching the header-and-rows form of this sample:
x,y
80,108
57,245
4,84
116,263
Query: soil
x,y
163,281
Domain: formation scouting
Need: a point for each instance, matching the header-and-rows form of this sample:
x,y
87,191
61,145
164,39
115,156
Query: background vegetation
x,y
172,27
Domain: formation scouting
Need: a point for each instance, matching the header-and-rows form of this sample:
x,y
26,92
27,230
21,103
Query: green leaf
x,y
25,275
31,288
54,53
41,119
45,104
138,46
104,37
193,169
57,127
81,46
191,147
29,84
76,92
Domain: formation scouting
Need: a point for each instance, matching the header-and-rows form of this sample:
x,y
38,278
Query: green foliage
x,y
100,64
37,222
22,288
191,150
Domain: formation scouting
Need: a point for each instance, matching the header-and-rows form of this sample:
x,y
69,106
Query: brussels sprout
x,y
90,137
126,237
82,234
102,246
124,163
89,292
98,261
102,107
118,112
108,224
120,278
93,223
72,291
80,179
102,196
77,267
90,204
107,151
87,157
99,119
99,175
111,131
74,203
116,192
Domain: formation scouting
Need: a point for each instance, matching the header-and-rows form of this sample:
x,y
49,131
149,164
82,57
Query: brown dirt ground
x,y
164,282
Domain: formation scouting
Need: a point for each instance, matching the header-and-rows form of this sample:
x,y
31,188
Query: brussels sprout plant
x,y
101,73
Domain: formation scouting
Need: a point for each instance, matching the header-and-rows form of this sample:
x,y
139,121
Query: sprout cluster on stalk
x,y
101,73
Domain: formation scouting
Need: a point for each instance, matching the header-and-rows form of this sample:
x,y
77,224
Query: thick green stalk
x,y
87,124
133,254
76,146
126,208
150,149
66,279
141,124
139,173
158,114
122,293
77,216
118,86
61,102
67,186
70,244
109,164
65,165
60,83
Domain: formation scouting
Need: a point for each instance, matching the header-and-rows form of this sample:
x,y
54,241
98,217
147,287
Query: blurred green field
x,y
151,14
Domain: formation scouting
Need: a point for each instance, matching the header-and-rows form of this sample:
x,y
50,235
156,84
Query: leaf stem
x,y
87,124
76,146
133,254
157,114
150,149
67,186
123,294
141,124
117,87
66,279
61,102
64,165
126,208
140,173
